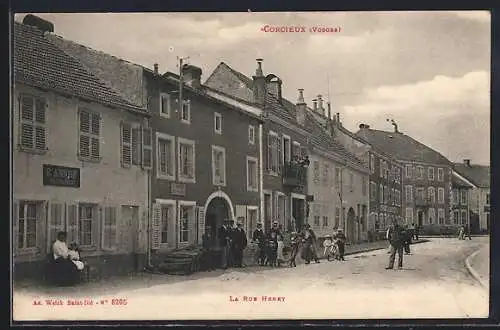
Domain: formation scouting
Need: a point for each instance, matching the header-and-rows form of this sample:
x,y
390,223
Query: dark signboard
x,y
61,176
178,189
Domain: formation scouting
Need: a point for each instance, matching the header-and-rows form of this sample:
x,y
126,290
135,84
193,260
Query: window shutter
x,y
147,148
201,223
72,223
156,226
41,229
126,143
15,226
109,228
26,117
192,225
136,141
279,154
55,223
40,130
172,227
269,150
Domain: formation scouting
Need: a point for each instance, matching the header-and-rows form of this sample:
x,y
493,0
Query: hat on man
x,y
239,224
259,225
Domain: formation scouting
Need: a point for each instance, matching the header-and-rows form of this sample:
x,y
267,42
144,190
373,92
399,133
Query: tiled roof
x,y
40,63
457,181
402,147
477,174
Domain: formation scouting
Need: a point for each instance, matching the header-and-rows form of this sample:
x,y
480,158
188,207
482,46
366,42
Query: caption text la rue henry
x,y
265,299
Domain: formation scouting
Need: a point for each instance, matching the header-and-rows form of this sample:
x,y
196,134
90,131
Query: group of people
x,y
463,232
400,238
336,243
66,263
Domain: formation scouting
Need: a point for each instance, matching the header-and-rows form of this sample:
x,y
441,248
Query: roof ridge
x,y
91,72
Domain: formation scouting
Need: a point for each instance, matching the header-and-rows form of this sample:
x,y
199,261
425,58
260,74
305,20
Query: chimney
x,y
338,119
155,66
191,75
467,162
321,110
395,126
273,85
315,105
301,107
39,23
364,126
259,84
329,110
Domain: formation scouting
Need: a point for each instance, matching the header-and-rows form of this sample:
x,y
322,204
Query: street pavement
x,y
480,264
434,283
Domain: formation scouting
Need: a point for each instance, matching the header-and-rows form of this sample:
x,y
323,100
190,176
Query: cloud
x,y
478,16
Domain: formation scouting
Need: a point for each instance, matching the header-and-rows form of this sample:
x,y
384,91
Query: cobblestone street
x,y
360,287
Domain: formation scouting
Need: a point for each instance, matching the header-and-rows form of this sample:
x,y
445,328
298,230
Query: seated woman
x,y
65,272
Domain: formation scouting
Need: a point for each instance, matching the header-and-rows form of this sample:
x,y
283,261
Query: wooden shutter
x,y
96,131
41,226
55,223
201,223
269,150
136,141
84,143
147,148
192,225
172,226
40,129
156,226
279,147
126,144
72,223
109,228
26,113
15,226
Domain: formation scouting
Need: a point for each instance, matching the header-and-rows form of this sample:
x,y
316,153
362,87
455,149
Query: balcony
x,y
295,174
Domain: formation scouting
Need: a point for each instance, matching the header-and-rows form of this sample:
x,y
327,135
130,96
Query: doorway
x,y
420,218
267,212
298,213
129,234
217,212
351,223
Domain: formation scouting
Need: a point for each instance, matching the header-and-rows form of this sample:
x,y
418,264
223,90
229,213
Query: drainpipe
x,y
148,230
261,175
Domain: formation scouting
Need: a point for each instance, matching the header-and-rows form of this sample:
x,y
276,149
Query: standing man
x,y
239,244
225,243
406,239
396,239
313,245
259,237
275,228
340,239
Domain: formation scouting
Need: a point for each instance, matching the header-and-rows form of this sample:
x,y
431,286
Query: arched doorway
x,y
217,211
351,225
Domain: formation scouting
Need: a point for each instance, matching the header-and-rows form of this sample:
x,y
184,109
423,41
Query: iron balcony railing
x,y
294,174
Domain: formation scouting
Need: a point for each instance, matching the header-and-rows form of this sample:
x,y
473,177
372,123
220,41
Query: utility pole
x,y
181,81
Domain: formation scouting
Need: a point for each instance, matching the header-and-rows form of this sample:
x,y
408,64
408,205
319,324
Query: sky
x,y
428,71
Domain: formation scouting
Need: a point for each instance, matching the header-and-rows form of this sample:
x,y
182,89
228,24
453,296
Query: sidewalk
x,y
145,280
479,265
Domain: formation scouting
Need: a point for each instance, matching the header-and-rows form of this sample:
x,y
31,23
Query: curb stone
x,y
472,271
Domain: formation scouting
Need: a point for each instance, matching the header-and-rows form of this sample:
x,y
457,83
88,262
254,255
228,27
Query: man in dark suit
x,y
396,238
225,243
239,244
259,238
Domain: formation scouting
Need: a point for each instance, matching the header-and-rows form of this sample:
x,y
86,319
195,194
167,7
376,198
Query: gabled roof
x,y
477,174
458,180
231,82
402,147
40,63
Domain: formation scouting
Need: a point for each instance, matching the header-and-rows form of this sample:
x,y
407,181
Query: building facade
x,y
460,202
479,196
68,169
426,178
207,160
285,143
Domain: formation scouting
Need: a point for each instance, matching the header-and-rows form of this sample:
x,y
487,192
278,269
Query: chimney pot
x,y
156,68
301,96
329,110
361,126
315,105
258,71
192,75
39,23
467,162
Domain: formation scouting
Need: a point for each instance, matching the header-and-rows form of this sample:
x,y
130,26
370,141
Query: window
x,y
89,137
431,193
29,216
252,179
456,196
165,105
420,173
252,220
376,221
33,130
218,166
408,194
456,217
316,171
316,214
464,217
165,165
186,165
217,123
441,216
463,197
420,194
285,150
87,215
372,164
382,166
393,196
409,171
272,152
338,177
280,208
386,195
441,195
363,186
136,145
186,221
325,221
167,217
487,199
251,134
186,112
381,194
326,174
351,182
440,174
398,197
430,173
432,215
296,149
109,229
373,191
337,217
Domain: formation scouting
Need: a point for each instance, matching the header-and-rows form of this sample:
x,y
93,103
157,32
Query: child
x,y
74,255
327,244
273,249
295,249
280,258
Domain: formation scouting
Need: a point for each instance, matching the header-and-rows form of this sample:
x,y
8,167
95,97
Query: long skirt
x,y
307,253
65,272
